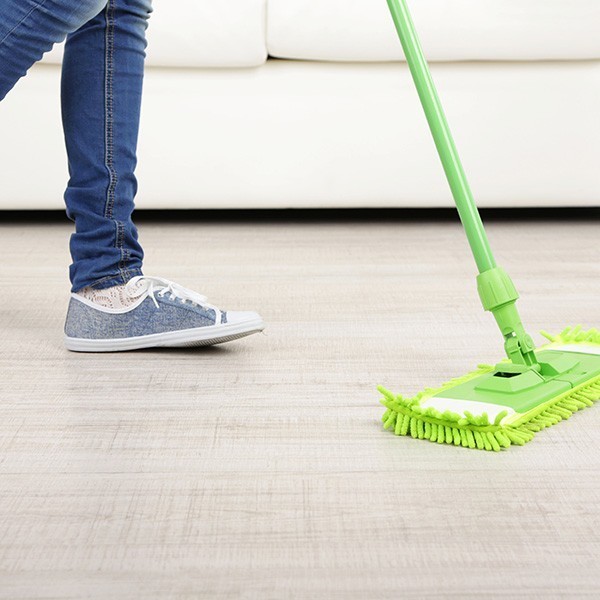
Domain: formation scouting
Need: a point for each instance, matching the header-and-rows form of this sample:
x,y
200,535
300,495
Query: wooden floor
x,y
259,469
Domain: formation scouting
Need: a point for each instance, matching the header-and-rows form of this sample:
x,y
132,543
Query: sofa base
x,y
301,134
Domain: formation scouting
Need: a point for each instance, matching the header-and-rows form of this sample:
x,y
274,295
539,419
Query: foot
x,y
150,312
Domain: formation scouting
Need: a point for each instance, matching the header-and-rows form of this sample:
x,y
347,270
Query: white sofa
x,y
306,103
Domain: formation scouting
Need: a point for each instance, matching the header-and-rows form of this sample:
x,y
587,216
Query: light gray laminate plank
x,y
259,469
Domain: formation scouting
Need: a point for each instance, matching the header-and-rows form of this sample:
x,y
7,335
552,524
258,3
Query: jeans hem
x,y
120,278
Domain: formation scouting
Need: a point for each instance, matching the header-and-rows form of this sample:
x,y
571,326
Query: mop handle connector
x,y
499,296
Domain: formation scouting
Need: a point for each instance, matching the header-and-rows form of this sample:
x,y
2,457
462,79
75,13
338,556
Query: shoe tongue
x,y
136,288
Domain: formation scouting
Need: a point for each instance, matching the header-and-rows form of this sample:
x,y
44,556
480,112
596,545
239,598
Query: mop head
x,y
490,410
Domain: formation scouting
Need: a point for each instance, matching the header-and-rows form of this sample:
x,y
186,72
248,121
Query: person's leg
x,y
29,28
102,81
103,69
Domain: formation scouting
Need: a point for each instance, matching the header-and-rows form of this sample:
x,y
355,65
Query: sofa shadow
x,y
320,215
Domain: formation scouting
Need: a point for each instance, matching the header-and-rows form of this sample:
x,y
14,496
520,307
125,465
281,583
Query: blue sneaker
x,y
157,313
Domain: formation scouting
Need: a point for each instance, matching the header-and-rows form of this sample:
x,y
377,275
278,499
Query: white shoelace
x,y
143,285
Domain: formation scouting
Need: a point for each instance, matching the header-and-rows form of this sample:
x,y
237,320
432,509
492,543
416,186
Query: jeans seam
x,y
120,245
109,108
113,178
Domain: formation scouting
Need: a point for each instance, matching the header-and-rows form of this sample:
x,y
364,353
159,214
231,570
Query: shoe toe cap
x,y
239,317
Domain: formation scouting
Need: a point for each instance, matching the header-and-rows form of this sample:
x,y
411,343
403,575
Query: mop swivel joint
x,y
499,296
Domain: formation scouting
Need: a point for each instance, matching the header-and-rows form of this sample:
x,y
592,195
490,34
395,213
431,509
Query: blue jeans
x,y
102,77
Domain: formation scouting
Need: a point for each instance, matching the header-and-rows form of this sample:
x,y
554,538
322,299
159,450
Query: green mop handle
x,y
442,136
496,290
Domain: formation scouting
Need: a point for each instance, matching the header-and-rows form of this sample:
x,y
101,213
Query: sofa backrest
x,y
450,30
203,33
243,33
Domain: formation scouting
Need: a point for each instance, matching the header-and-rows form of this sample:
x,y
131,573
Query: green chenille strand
x,y
398,427
479,440
405,425
456,436
470,439
441,434
428,430
486,442
390,420
406,416
448,432
493,442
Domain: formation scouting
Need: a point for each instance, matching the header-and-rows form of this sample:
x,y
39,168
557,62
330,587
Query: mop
x,y
499,405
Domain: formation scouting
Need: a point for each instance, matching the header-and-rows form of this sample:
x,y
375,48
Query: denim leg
x,y
29,28
103,70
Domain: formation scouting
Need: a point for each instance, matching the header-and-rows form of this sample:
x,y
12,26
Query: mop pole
x,y
496,289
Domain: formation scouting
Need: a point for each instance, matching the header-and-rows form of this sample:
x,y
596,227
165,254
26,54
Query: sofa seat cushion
x,y
203,33
451,30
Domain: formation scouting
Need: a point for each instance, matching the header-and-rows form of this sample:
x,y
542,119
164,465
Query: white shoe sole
x,y
200,336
